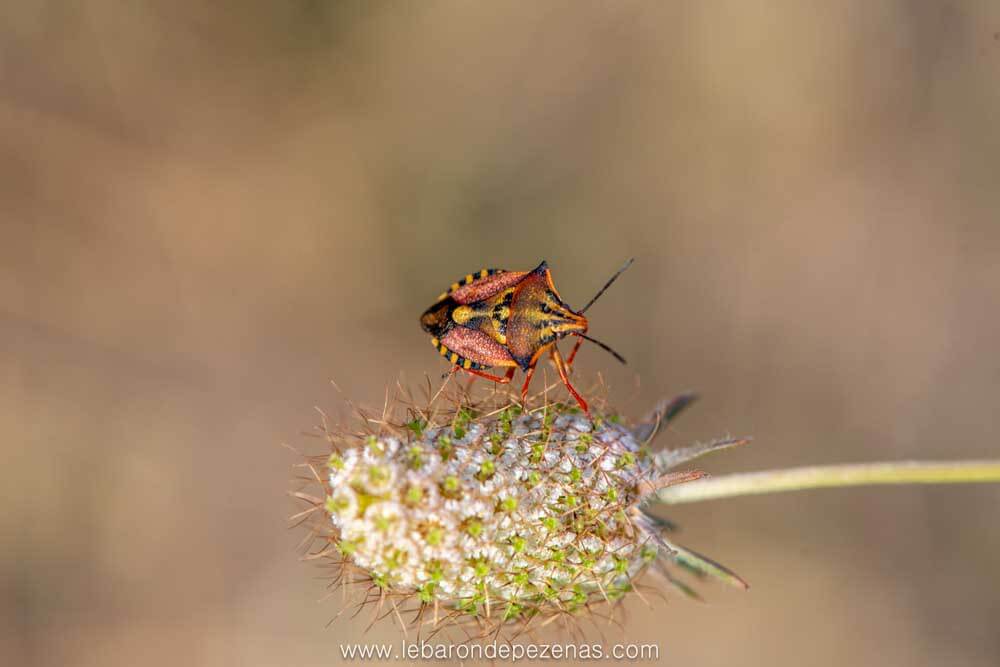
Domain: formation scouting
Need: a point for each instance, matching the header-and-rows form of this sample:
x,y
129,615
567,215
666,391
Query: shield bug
x,y
508,319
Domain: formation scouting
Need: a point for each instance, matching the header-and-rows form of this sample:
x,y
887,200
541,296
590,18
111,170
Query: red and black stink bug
x,y
507,319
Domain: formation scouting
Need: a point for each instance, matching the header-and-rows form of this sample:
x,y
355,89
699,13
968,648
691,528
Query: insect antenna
x,y
606,286
603,345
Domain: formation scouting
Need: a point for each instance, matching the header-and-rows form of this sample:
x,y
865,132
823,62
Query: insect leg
x,y
572,353
495,378
502,380
564,376
527,381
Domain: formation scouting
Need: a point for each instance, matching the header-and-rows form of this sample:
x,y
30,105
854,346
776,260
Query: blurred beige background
x,y
210,210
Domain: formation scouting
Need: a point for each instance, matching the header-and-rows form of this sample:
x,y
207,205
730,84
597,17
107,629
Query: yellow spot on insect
x,y
484,273
453,358
443,350
441,296
454,286
435,342
468,279
467,364
462,314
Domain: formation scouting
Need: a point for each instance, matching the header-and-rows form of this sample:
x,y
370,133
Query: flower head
x,y
497,512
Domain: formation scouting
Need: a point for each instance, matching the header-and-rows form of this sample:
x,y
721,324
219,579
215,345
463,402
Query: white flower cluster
x,y
513,512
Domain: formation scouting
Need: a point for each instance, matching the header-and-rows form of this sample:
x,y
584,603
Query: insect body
x,y
508,319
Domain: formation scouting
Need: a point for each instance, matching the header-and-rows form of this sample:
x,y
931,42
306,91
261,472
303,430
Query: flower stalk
x,y
831,476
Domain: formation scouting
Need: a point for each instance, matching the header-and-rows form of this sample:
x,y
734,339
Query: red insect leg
x,y
564,376
495,378
572,353
527,381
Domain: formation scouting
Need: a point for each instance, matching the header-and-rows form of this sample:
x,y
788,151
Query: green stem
x,y
815,477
